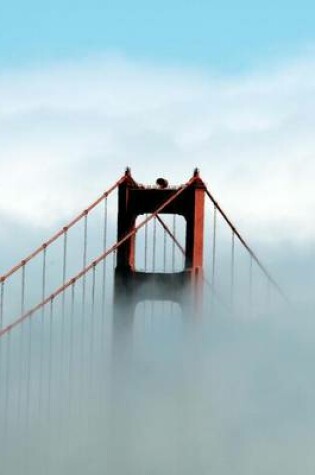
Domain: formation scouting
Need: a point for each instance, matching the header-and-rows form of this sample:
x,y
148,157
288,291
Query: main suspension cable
x,y
244,243
95,262
60,233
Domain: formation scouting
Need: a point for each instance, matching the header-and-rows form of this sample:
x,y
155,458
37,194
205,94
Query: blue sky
x,y
220,35
88,88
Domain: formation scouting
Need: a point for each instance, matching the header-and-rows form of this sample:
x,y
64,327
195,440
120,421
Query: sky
x,y
88,88
220,35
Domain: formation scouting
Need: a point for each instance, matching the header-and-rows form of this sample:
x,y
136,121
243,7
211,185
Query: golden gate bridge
x,y
156,254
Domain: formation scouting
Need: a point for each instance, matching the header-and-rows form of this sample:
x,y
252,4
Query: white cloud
x,y
68,131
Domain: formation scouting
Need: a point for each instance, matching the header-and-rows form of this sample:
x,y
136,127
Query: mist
x,y
227,388
219,392
89,385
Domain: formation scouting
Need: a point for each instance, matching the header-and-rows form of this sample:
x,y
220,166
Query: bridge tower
x,y
132,285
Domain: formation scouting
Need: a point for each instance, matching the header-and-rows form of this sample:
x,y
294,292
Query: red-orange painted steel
x,y
93,264
61,231
135,200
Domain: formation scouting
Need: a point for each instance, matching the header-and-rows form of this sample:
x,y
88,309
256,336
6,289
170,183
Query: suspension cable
x,y
84,257
232,266
154,246
91,353
173,244
62,230
169,232
104,271
22,287
146,246
64,265
21,367
93,292
28,371
50,350
70,367
104,249
244,243
41,363
214,244
71,322
95,262
63,301
164,249
44,272
1,303
7,383
215,293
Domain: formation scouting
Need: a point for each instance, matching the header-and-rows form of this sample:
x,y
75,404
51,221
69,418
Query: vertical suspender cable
x,y
114,259
20,374
64,266
50,353
104,263
153,263
21,356
146,245
250,283
1,303
93,292
214,245
41,362
145,261
23,288
84,257
28,373
7,384
63,300
104,276
232,267
44,262
69,379
91,355
71,342
173,243
154,246
164,263
44,273
173,256
268,295
164,250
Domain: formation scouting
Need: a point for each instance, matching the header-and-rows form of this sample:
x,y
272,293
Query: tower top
x,y
161,183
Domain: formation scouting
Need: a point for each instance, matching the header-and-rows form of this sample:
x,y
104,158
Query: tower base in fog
x,y
132,286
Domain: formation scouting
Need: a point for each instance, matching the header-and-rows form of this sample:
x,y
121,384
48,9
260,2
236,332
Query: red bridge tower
x,y
133,286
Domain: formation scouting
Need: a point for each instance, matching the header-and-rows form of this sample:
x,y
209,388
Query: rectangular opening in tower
x,y
160,245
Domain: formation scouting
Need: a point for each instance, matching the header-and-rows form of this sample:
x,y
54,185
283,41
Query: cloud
x,y
66,134
68,131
